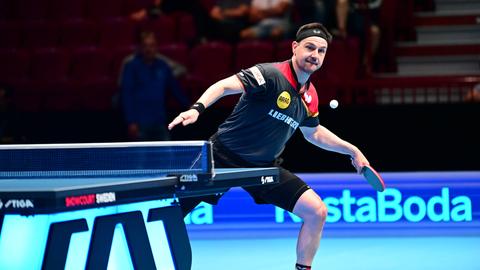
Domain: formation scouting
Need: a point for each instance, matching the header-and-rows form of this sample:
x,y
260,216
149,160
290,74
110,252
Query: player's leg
x,y
188,204
313,211
294,195
222,160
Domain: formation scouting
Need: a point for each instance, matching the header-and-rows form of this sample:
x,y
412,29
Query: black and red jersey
x,y
268,112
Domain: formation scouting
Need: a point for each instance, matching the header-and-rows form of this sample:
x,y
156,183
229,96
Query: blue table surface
x,y
60,184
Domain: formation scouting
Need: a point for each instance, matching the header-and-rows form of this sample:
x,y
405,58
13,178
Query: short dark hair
x,y
317,26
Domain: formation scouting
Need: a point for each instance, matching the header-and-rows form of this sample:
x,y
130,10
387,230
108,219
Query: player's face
x,y
309,53
149,47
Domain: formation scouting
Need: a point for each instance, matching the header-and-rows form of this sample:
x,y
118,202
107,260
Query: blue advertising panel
x,y
414,204
417,203
25,239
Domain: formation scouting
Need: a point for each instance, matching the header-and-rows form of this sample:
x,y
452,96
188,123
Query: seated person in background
x,y
145,79
270,18
153,11
351,19
310,11
473,95
158,8
228,18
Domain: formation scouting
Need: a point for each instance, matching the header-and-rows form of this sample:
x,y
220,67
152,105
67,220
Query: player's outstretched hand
x,y
359,161
186,118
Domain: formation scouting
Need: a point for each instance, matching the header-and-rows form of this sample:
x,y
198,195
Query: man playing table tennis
x,y
277,98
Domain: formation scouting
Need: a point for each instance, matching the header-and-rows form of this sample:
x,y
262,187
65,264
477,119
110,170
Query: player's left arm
x,y
325,139
228,86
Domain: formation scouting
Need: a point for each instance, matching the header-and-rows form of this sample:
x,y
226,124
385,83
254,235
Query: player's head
x,y
148,45
310,46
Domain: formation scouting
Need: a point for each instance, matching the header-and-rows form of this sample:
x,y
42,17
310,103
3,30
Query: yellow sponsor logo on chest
x,y
283,100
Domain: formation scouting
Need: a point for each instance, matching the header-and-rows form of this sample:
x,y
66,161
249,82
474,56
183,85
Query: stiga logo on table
x,y
20,203
283,100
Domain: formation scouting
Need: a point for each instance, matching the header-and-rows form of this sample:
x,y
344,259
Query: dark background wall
x,y
394,138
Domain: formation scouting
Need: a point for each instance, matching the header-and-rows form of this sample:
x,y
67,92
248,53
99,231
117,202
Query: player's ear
x,y
294,46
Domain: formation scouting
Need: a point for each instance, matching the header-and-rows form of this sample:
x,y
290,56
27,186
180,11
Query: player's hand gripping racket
x,y
373,178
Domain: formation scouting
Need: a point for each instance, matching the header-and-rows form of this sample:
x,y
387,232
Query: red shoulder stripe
x,y
310,100
284,68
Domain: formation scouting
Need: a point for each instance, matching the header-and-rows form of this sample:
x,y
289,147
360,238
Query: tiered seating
x,y
78,32
31,9
250,53
209,62
90,77
67,10
116,31
14,66
104,9
40,34
11,35
163,27
72,51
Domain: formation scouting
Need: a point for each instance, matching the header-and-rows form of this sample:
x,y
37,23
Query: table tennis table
x,y
51,195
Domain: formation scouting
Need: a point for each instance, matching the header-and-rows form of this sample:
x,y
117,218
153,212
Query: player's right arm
x,y
228,86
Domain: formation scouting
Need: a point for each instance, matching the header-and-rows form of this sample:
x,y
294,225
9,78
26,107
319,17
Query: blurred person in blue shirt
x,y
145,78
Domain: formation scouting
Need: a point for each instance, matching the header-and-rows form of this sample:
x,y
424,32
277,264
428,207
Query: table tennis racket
x,y
373,178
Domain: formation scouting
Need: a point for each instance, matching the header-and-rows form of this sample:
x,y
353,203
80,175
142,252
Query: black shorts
x,y
284,194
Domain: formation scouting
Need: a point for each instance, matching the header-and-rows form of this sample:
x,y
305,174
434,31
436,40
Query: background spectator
x,y
144,81
153,11
229,17
270,18
358,19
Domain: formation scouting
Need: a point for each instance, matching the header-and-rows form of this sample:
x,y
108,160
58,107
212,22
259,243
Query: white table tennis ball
x,y
333,103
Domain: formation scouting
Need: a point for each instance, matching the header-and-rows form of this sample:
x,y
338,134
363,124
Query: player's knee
x,y
321,212
317,215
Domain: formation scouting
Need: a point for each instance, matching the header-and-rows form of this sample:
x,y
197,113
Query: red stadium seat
x,y
175,51
207,4
10,33
90,78
48,80
283,51
6,10
340,68
115,32
130,6
78,32
164,28
211,61
67,10
342,61
90,64
101,9
186,29
14,65
249,53
14,71
49,65
40,34
27,10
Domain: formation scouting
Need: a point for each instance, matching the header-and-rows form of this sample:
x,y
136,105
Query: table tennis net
x,y
105,159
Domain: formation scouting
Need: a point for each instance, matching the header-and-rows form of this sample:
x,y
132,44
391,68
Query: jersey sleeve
x,y
311,121
254,80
